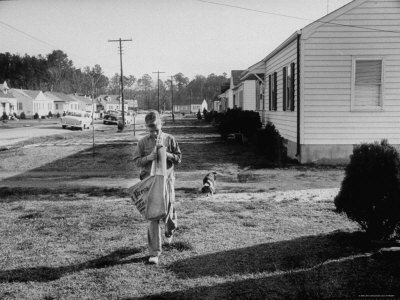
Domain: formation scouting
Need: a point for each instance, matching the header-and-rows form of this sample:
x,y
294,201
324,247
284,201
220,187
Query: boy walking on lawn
x,y
143,157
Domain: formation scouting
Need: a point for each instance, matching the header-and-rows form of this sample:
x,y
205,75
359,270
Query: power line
x,y
297,18
41,41
28,35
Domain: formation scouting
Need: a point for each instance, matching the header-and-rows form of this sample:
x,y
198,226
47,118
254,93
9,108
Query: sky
x,y
171,36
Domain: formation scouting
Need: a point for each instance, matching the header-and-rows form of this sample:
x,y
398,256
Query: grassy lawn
x,y
268,233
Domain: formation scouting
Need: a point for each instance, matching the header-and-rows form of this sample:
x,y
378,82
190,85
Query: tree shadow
x,y
45,274
303,252
351,279
339,264
112,160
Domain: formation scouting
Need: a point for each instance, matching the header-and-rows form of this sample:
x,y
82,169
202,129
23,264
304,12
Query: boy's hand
x,y
152,156
170,155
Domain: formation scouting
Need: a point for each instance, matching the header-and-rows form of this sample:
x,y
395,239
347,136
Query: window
x,y
241,99
56,106
20,106
288,87
367,84
259,95
273,95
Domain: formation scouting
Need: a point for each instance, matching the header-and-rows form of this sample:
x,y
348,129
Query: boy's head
x,y
153,123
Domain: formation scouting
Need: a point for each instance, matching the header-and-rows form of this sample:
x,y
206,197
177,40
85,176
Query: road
x,y
10,136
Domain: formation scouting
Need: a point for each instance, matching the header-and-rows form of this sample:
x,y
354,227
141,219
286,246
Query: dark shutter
x,y
275,104
270,93
284,89
292,67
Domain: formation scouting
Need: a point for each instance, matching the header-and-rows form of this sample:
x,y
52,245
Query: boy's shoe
x,y
168,240
153,260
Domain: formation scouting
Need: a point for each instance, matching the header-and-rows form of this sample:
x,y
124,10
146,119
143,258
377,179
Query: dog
x,y
209,184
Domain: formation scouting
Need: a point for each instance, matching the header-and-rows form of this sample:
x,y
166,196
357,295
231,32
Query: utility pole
x,y
122,78
158,89
172,98
190,107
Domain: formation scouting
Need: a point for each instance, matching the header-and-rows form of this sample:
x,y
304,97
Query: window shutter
x,y
284,89
292,66
275,91
270,92
368,80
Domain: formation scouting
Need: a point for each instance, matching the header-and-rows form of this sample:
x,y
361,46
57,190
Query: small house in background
x,y
62,103
181,105
32,102
111,102
233,100
336,82
8,103
198,104
85,103
223,98
252,82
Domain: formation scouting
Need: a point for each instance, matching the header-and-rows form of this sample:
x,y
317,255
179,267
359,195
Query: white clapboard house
x,y
336,82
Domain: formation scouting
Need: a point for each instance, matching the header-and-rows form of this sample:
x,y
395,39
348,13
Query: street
x,y
10,136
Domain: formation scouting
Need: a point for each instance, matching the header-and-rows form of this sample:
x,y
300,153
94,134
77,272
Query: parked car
x,y
115,117
79,119
110,117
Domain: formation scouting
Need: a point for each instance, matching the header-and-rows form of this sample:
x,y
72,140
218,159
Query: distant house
x,y
110,102
85,103
31,102
181,105
223,103
62,103
198,104
233,95
336,82
8,103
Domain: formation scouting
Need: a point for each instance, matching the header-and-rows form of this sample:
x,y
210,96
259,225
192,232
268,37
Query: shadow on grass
x,y
339,264
45,274
303,252
113,160
350,279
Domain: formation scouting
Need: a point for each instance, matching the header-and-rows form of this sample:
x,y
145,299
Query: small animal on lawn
x,y
209,184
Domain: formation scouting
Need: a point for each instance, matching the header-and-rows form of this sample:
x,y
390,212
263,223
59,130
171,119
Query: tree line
x,y
56,72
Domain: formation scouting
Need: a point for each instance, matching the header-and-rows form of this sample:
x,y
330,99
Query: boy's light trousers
x,y
154,233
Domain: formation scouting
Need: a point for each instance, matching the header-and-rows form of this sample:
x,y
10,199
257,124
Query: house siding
x,y
328,54
284,121
249,91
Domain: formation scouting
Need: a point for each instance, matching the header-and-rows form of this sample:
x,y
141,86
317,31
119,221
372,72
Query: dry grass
x,y
262,236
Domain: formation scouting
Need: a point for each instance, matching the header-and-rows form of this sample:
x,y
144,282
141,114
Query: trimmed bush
x,y
4,116
36,116
22,116
199,117
58,115
370,191
269,143
50,115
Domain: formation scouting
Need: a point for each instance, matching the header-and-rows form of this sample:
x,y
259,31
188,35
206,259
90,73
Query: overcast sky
x,y
188,36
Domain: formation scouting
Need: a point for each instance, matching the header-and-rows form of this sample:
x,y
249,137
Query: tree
x,y
59,68
145,84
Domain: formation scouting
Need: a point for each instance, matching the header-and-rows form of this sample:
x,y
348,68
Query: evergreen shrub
x,y
36,116
22,116
370,190
269,143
